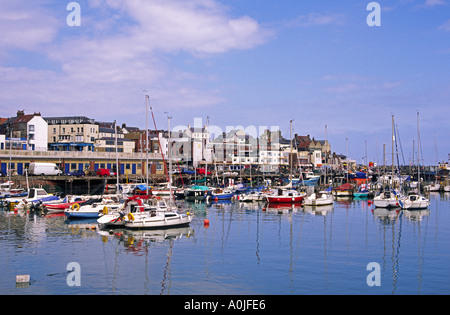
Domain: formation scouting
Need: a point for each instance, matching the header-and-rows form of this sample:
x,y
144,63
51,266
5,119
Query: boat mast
x,y
146,140
291,157
393,140
418,155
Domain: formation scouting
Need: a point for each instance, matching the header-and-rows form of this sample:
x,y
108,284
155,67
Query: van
x,y
43,169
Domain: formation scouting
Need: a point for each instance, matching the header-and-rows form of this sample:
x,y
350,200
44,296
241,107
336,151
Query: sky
x,y
239,63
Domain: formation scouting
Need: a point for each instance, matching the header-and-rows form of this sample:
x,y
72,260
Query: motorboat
x,y
322,200
415,202
34,195
285,196
93,208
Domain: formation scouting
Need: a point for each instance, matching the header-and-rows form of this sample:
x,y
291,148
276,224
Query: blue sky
x,y
240,63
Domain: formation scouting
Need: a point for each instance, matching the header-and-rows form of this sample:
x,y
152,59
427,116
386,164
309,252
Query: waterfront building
x,y
74,133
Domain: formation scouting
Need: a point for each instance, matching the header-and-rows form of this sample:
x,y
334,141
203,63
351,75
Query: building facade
x,y
77,133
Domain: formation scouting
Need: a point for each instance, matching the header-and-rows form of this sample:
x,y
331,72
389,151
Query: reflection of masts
x,y
167,268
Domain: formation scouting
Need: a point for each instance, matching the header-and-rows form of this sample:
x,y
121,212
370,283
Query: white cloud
x,y
122,47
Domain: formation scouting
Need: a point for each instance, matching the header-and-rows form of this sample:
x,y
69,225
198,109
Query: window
x,y
31,128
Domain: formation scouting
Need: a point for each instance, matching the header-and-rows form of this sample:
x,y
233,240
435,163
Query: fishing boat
x,y
285,196
322,200
93,208
158,218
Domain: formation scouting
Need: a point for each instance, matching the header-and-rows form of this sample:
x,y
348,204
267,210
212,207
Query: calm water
x,y
247,249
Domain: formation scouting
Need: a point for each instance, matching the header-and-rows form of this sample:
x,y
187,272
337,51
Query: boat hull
x,y
280,199
159,223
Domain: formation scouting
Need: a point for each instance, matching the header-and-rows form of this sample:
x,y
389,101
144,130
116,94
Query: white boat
x,y
322,200
387,199
158,218
252,196
34,195
93,208
432,187
116,217
415,202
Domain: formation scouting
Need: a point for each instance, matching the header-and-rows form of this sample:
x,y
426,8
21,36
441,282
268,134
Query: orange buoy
x,y
206,222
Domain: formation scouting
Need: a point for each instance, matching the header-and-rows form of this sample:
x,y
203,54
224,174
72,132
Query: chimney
x,y
20,113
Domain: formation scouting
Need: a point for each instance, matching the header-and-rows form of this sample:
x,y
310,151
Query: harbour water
x,y
247,249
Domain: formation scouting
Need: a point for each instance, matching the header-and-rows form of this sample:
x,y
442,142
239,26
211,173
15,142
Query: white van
x,y
43,169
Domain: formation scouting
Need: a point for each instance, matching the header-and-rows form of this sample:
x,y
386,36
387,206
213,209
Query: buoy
x,y
206,222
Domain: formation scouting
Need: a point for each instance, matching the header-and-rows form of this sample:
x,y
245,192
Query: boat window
x,y
167,215
41,193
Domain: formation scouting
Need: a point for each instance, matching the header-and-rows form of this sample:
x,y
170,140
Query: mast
x,y
393,140
146,140
291,159
117,158
418,159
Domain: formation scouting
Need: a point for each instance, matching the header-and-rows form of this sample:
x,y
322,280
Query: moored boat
x,y
285,196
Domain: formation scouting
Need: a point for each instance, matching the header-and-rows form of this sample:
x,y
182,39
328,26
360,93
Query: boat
x,y
344,190
196,193
362,192
253,196
388,199
322,200
65,203
220,194
34,195
432,187
415,202
285,196
163,190
116,217
93,208
158,218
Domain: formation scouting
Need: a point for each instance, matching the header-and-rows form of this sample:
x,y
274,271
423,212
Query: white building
x,y
29,132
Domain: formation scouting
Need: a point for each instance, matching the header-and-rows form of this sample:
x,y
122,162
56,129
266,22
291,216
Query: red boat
x,y
62,206
285,196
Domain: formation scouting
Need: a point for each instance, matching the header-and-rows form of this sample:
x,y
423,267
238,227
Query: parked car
x,y
105,172
201,171
187,171
77,173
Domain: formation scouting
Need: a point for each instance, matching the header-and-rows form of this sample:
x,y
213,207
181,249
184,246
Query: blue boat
x,y
220,194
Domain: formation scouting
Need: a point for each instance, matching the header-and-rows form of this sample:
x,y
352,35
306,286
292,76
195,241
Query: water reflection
x,y
248,248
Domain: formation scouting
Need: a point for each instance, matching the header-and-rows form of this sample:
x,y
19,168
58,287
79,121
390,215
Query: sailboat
x,y
389,198
416,201
286,194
